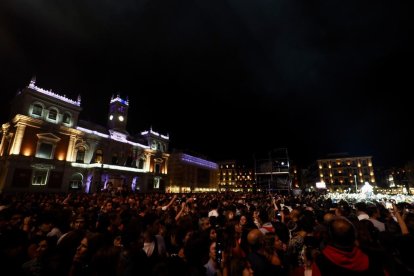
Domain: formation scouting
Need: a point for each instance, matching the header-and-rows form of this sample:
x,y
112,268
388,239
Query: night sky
x,y
227,78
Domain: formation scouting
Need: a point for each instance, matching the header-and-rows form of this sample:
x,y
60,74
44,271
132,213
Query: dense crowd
x,y
125,233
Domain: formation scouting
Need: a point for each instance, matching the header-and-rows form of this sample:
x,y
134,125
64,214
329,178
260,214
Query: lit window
x,y
37,110
66,118
40,177
52,114
76,181
45,150
99,156
80,155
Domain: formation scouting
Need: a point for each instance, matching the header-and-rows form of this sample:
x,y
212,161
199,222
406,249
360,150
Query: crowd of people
x,y
126,233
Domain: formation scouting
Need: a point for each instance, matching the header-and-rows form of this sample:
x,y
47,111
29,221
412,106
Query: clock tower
x,y
118,113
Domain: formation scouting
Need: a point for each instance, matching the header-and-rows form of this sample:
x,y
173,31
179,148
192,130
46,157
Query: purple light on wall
x,y
134,183
198,161
105,179
88,183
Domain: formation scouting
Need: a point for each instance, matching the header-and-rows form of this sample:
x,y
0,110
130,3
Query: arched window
x,y
52,114
37,109
66,118
141,163
98,156
80,155
76,181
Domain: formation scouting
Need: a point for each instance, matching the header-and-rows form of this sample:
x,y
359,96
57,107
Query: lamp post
x,y
356,184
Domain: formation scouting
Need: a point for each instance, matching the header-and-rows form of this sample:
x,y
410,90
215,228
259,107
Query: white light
x,y
111,117
166,137
117,136
54,95
321,185
107,166
121,118
367,188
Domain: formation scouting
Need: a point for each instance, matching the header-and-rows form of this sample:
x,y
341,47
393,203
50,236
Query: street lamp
x,y
356,184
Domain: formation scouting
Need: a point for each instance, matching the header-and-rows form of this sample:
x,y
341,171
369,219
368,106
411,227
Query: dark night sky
x,y
227,78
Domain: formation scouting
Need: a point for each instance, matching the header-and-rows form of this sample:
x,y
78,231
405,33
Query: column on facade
x,y
18,138
3,139
71,148
147,162
165,165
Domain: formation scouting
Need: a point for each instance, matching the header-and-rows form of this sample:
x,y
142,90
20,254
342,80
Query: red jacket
x,y
354,260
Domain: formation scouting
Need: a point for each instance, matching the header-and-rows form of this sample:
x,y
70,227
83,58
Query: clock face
x,y
121,118
111,117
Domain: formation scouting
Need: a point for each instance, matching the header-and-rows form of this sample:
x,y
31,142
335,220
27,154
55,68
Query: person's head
x,y
213,234
78,223
108,206
243,220
204,223
88,246
212,251
255,239
342,234
327,218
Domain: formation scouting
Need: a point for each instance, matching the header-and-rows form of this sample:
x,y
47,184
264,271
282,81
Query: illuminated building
x,y
236,177
45,147
341,172
188,173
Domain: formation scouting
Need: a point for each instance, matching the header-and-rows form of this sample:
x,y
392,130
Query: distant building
x,y
189,173
273,171
44,147
235,176
341,172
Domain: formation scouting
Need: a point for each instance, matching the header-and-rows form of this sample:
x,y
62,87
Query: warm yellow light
x,y
61,156
27,152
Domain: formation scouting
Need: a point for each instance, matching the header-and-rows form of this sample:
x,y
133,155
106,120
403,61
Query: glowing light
x,y
118,99
92,132
27,152
88,183
54,95
166,137
121,118
120,137
198,161
61,156
134,183
111,117
320,185
106,166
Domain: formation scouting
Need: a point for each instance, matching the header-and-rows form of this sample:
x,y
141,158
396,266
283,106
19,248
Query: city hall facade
x,y
45,147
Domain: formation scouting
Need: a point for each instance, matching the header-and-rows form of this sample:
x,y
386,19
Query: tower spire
x,y
33,81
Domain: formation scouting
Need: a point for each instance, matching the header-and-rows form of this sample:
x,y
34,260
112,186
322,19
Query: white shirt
x,y
213,213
